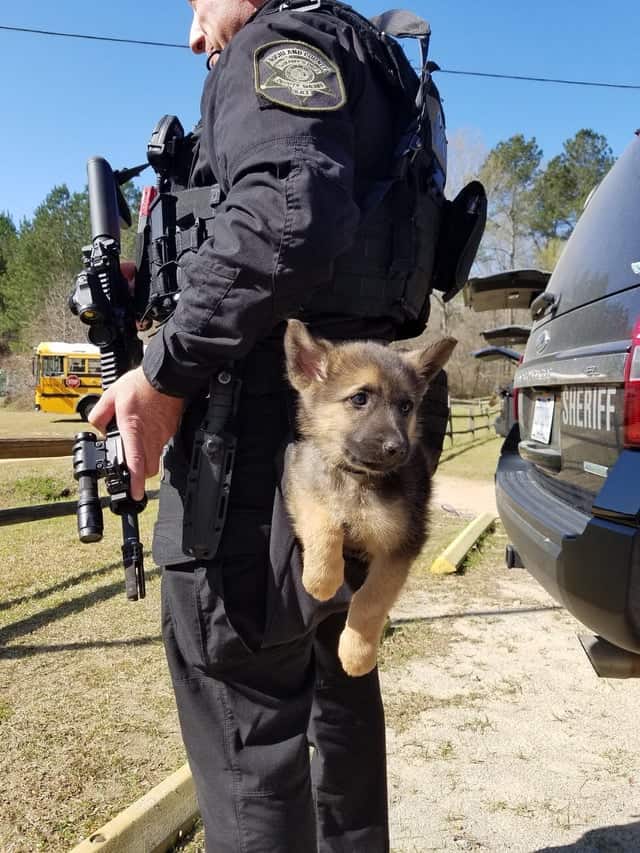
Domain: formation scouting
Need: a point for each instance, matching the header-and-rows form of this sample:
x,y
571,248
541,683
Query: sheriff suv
x,y
568,480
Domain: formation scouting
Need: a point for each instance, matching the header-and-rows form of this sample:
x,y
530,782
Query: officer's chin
x,y
212,58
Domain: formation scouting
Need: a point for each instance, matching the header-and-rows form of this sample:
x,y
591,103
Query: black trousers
x,y
250,716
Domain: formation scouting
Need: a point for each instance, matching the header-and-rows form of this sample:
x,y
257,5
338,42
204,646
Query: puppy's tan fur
x,y
357,480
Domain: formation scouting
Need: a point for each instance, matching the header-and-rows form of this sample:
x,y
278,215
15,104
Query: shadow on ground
x,y
623,838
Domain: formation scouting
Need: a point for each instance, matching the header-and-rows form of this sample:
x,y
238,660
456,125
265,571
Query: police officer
x,y
301,114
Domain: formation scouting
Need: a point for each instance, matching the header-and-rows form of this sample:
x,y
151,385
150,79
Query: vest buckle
x,y
299,6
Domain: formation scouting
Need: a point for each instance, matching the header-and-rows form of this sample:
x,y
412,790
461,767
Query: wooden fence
x,y
479,414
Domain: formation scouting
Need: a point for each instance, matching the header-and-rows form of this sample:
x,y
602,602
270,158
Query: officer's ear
x,y
307,357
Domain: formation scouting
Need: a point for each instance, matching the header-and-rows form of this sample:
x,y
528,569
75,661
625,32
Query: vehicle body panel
x,y
588,564
568,492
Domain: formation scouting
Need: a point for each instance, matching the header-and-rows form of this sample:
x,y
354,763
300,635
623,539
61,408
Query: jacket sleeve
x,y
289,211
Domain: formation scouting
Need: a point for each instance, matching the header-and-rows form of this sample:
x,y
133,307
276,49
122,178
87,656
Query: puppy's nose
x,y
394,447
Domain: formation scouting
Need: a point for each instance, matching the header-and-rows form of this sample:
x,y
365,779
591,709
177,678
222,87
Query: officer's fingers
x,y
134,453
103,411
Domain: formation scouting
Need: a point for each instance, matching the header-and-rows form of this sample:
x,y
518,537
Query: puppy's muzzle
x,y
378,456
395,449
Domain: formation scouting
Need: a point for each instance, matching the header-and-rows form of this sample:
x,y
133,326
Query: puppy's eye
x,y
360,399
406,406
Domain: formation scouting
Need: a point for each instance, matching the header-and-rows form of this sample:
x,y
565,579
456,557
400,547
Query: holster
x,y
209,477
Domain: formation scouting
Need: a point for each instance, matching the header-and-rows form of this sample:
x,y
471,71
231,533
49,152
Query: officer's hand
x,y
146,419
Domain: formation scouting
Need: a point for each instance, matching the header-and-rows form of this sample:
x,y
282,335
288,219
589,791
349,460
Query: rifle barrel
x,y
103,201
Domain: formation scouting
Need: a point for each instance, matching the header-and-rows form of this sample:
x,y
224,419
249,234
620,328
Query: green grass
x,y
87,719
37,481
476,461
19,424
38,487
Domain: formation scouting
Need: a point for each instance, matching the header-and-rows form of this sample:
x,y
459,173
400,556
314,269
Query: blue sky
x,y
65,100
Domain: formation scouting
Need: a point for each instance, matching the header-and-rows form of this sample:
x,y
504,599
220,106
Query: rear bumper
x,y
589,565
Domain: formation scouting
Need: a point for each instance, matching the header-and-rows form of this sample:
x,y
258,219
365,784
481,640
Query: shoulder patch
x,y
296,75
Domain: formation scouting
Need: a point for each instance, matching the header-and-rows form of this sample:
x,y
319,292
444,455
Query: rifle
x,y
102,301
170,217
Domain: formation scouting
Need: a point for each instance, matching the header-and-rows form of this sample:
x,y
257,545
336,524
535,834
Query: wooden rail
x,y
55,509
35,448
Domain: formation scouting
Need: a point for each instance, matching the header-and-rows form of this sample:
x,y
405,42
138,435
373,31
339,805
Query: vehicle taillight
x,y
148,196
632,392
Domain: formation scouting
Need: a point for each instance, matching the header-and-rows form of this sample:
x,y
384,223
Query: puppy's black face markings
x,y
377,439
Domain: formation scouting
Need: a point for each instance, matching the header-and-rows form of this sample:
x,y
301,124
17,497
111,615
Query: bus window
x,y
52,365
76,365
93,367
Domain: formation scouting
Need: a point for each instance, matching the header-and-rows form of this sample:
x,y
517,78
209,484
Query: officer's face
x,y
215,22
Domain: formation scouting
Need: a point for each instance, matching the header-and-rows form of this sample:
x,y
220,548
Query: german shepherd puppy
x,y
357,480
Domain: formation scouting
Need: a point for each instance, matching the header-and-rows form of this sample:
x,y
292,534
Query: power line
x,y
542,79
520,77
92,38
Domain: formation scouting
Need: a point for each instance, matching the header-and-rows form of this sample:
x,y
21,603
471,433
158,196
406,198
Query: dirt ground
x,y
457,494
500,735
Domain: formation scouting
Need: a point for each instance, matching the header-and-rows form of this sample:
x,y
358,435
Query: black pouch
x,y
463,223
433,415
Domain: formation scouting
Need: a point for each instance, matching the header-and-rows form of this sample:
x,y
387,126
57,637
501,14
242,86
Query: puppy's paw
x,y
320,580
321,585
357,655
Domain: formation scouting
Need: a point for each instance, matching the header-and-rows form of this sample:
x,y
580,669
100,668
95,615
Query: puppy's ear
x,y
430,360
307,357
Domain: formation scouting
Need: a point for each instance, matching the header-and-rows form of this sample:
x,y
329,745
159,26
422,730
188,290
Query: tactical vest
x,y
410,239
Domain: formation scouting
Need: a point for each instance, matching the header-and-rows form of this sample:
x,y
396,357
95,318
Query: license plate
x,y
542,420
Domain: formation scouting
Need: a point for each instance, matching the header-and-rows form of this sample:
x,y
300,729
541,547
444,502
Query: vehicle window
x,y
77,365
93,366
606,242
52,365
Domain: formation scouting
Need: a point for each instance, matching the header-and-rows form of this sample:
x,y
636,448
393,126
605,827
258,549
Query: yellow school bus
x,y
67,378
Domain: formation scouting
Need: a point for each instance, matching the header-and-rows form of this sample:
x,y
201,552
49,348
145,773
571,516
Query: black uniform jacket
x,y
298,122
